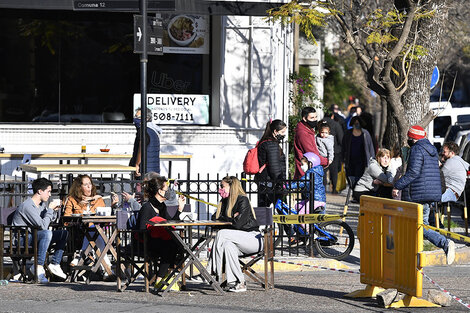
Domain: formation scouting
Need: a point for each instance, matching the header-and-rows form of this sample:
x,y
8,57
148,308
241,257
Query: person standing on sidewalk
x,y
34,212
304,140
421,183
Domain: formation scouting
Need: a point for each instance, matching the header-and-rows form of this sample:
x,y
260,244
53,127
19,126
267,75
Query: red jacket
x,y
304,141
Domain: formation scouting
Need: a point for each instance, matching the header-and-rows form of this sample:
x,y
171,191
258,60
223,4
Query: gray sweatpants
x,y
228,245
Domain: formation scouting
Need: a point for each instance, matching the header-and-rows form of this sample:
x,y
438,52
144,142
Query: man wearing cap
x,y
422,184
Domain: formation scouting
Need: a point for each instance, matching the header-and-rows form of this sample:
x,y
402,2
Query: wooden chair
x,y
15,244
132,254
264,216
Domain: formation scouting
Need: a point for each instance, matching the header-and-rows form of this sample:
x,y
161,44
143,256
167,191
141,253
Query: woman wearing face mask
x,y
243,237
160,243
270,155
358,148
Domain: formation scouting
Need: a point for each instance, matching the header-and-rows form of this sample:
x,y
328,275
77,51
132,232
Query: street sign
x,y
434,77
154,35
123,5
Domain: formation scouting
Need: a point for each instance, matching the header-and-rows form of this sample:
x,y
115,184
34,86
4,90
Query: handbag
x,y
341,183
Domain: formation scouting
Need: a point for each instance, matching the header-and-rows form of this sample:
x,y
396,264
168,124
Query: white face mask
x,y
304,167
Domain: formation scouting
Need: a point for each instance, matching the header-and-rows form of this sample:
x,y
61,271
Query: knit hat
x,y
416,132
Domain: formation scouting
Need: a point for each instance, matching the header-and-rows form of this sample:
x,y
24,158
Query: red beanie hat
x,y
416,132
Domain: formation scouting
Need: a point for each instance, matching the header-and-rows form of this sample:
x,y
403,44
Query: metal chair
x,y
264,216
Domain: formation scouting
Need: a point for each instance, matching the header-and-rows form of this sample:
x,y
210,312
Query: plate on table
x,y
76,215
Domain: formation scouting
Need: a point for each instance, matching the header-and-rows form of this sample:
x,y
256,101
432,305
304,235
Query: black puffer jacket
x,y
269,152
244,220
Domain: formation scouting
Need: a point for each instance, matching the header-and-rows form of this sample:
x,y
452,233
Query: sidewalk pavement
x,y
335,205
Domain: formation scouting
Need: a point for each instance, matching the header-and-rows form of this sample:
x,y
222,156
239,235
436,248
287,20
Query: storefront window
x,y
77,67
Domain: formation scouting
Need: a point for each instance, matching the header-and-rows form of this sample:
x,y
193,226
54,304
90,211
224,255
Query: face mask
x,y
280,137
411,142
304,167
167,195
312,124
137,122
224,194
357,126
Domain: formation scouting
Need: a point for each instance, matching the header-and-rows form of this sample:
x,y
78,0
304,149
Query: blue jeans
x,y
448,196
45,239
434,237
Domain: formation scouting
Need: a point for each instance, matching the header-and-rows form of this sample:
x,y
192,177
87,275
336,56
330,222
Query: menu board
x,y
186,34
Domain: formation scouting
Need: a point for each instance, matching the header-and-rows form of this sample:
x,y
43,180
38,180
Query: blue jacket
x,y
422,180
319,193
153,150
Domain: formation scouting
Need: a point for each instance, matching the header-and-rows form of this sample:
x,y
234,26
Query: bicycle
x,y
333,239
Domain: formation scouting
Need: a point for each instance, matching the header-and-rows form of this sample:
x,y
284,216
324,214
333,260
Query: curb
x,y
438,257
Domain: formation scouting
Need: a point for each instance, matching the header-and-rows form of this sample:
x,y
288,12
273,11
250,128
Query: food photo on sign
x,y
185,34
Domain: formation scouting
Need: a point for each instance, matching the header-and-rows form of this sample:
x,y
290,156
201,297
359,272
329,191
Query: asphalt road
x,y
306,291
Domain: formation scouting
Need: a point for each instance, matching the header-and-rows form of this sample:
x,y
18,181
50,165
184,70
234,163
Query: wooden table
x,y
92,234
77,169
191,252
66,156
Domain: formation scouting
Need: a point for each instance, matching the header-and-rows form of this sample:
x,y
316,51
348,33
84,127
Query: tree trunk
x,y
416,97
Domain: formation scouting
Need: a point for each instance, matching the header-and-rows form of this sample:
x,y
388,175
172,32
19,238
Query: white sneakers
x,y
41,274
450,254
238,287
57,271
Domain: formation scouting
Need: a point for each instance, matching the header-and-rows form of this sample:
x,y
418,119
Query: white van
x,y
446,117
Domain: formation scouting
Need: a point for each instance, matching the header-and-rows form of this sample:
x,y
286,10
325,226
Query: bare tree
x,y
395,44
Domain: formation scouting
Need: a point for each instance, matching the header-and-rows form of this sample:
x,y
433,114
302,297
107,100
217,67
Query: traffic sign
x,y
123,5
434,77
154,35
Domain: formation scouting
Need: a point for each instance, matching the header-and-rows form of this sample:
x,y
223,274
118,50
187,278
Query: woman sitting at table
x,y
160,243
83,198
243,237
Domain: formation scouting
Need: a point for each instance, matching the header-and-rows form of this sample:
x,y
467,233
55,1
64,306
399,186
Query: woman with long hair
x,y
83,198
273,159
160,243
243,237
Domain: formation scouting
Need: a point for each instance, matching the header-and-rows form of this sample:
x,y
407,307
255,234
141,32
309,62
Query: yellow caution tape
x,y
304,218
448,233
190,197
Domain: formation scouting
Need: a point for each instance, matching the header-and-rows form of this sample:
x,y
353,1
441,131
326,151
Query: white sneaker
x,y
41,274
57,271
450,254
239,287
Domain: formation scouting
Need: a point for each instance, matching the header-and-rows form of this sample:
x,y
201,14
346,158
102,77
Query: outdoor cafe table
x,y
191,252
92,234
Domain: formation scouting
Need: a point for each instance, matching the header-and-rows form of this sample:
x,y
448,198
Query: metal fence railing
x,y
13,191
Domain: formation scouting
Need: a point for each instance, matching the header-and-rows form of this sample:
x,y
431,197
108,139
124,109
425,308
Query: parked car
x,y
447,116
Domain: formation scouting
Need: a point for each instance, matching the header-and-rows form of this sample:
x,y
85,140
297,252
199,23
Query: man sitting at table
x,y
34,212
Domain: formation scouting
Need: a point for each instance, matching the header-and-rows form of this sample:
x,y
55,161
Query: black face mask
x,y
280,137
312,124
411,142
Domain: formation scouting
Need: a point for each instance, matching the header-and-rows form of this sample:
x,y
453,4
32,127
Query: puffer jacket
x,y
422,180
269,152
319,193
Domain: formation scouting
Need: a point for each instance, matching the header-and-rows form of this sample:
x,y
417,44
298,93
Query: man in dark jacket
x,y
422,184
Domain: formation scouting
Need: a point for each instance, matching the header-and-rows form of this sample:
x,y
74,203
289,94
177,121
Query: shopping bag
x,y
341,183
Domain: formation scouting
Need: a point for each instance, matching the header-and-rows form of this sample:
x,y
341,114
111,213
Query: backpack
x,y
251,164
